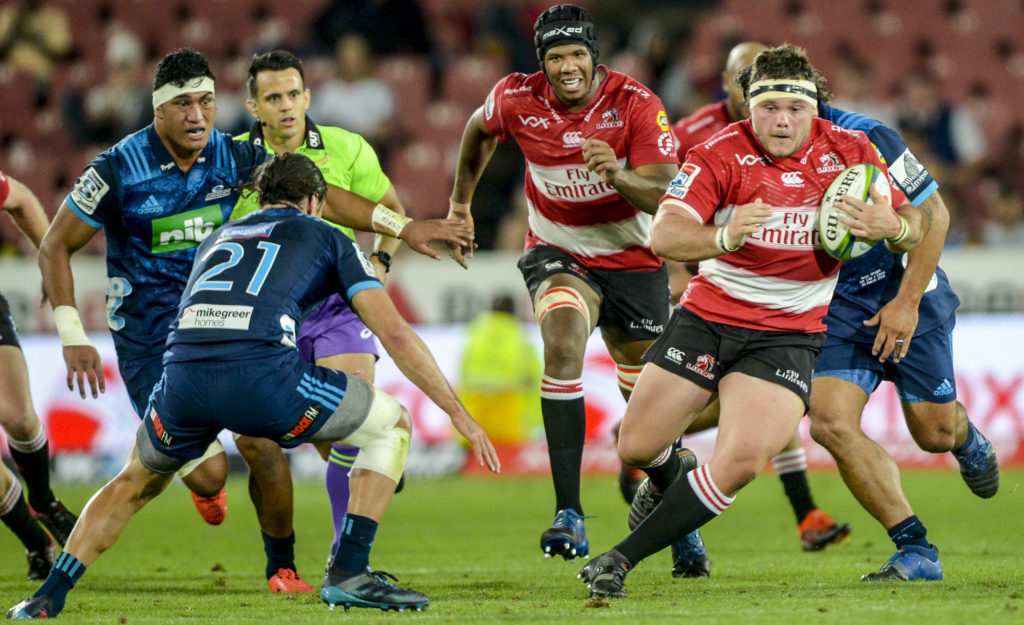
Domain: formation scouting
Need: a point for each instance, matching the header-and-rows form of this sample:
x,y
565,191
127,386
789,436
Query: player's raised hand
x,y
84,364
600,159
420,233
483,449
459,211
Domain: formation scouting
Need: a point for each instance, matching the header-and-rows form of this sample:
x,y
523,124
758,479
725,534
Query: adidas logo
x,y
150,206
944,389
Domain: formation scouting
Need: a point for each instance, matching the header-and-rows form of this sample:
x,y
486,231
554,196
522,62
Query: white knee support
x,y
211,451
383,447
627,376
560,297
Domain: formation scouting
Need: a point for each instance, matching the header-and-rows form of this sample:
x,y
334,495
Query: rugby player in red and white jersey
x,y
599,156
750,323
817,529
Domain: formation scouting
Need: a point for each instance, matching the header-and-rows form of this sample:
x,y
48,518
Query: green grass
x,y
472,546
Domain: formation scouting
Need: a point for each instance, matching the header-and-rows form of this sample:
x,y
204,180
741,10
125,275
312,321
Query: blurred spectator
x,y
354,98
106,112
504,31
500,375
1004,227
951,131
854,85
34,37
391,26
494,203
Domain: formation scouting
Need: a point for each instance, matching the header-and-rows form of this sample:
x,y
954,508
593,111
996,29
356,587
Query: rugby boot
x,y
566,537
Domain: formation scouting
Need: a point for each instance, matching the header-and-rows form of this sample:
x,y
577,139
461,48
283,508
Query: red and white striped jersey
x,y
782,278
571,207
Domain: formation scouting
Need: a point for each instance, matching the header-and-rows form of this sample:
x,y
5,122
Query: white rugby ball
x,y
855,182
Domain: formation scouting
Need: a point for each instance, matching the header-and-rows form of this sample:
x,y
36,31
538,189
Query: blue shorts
x,y
334,328
924,375
140,375
277,396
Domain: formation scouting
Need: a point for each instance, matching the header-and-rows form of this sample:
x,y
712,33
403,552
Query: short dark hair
x,y
785,61
180,66
274,61
288,179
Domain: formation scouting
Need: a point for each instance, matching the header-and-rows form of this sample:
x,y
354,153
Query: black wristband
x,y
384,257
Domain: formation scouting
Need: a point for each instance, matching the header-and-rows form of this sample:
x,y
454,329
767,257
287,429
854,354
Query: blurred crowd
x,y
406,74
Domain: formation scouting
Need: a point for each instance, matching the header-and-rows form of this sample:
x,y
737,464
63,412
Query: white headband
x,y
169,91
783,88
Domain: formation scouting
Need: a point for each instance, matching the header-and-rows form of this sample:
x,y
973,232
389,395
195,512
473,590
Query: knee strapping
x,y
627,376
211,451
561,297
383,445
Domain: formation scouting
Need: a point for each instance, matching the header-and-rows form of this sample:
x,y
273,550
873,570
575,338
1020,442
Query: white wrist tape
x,y
69,326
387,221
722,244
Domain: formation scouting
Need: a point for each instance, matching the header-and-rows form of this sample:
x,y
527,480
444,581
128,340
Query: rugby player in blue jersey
x,y
332,335
157,194
232,363
891,318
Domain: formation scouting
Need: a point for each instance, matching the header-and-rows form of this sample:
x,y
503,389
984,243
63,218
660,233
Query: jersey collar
x,y
314,139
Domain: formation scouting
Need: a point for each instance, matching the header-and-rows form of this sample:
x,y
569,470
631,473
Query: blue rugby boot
x,y
567,536
369,589
979,466
910,564
33,608
689,557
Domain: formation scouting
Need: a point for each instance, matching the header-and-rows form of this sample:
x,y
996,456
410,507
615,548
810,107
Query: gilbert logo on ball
x,y
854,181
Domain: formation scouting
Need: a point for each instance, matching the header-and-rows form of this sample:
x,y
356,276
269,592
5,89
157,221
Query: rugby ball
x,y
855,182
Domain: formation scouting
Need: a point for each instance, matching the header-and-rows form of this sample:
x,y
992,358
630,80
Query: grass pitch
x,y
472,546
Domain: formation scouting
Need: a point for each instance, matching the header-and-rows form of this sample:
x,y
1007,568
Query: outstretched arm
x,y
415,361
475,151
66,235
348,209
24,208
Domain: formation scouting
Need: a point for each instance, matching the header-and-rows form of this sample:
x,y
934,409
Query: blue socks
x,y
65,572
280,553
353,554
910,531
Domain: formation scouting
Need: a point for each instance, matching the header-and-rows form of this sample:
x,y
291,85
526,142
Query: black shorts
x,y
8,329
704,351
636,302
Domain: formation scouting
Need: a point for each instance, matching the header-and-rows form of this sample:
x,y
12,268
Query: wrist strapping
x,y
387,221
904,228
69,326
722,244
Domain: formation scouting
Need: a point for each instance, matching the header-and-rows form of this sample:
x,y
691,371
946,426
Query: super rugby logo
x,y
185,230
533,121
680,185
89,190
703,367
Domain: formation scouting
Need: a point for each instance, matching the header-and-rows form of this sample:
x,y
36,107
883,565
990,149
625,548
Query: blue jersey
x,y
154,215
253,280
870,281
